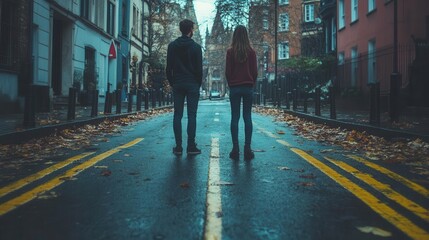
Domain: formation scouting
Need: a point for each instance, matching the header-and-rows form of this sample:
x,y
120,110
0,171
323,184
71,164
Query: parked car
x,y
214,95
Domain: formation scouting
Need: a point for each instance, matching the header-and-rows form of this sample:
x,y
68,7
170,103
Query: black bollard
x,y
374,108
118,95
305,103
294,99
130,102
30,108
317,101
146,99
94,108
71,113
139,100
332,107
288,100
153,96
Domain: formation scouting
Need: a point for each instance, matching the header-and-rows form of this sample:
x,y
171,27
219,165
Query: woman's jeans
x,y
190,91
236,94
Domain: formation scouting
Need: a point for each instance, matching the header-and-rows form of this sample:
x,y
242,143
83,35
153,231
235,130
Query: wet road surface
x,y
132,187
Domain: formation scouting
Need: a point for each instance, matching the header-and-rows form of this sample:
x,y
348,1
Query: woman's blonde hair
x,y
240,43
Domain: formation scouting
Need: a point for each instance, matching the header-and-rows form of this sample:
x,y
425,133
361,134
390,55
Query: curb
x,y
373,130
43,131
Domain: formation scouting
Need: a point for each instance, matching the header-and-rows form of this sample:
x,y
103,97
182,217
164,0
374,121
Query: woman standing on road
x,y
241,73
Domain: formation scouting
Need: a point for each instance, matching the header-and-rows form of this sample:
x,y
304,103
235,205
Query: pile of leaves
x,y
413,151
14,155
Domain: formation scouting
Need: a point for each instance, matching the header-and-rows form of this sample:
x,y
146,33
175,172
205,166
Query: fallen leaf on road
x,y
280,132
127,155
118,161
106,173
375,231
258,150
306,184
68,178
133,173
283,168
101,167
47,195
326,150
49,163
219,214
309,176
184,185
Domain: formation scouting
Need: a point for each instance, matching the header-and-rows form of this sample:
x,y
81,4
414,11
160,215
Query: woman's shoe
x,y
248,153
234,155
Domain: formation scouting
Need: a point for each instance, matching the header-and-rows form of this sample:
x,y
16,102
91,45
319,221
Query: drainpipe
x,y
395,77
276,24
29,95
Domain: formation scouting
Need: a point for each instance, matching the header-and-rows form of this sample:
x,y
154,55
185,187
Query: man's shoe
x,y
178,150
234,154
192,150
248,153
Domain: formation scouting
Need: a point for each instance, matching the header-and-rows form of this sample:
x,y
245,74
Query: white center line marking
x,y
216,119
213,225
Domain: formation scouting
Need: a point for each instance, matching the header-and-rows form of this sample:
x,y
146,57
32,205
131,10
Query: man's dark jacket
x,y
184,61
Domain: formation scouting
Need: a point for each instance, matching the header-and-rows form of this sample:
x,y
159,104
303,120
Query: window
x,y
6,26
309,13
110,18
371,5
283,50
283,2
354,10
333,34
124,19
372,62
284,22
354,66
84,9
341,58
265,23
135,21
341,14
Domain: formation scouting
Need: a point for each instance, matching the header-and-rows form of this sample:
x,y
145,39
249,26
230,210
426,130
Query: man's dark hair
x,y
186,26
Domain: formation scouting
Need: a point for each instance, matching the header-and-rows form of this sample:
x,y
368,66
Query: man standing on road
x,y
184,73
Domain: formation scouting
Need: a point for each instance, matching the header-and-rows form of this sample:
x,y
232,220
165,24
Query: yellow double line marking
x,y
384,189
414,186
32,194
392,216
21,183
375,204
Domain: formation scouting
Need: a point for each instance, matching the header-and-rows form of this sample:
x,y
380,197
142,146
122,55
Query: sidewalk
x,y
13,131
409,125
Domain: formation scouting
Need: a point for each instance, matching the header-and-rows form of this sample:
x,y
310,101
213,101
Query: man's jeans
x,y
236,94
192,93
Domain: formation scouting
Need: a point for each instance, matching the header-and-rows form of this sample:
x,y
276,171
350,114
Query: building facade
x,y
15,53
84,44
365,45
216,45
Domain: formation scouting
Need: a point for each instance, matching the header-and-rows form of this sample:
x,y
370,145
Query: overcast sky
x,y
205,11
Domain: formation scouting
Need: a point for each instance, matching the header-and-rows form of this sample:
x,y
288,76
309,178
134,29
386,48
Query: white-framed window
x,y
354,10
283,50
265,23
341,58
372,62
284,22
333,34
283,2
371,5
309,13
354,66
341,14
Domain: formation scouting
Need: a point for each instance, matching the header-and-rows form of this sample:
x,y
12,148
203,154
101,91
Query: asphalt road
x,y
132,187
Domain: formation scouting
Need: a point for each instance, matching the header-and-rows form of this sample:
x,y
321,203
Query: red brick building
x,y
365,41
